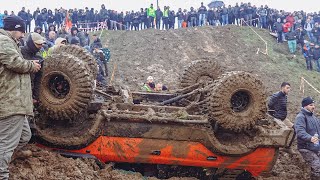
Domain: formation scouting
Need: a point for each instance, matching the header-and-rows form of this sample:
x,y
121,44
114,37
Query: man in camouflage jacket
x,y
15,92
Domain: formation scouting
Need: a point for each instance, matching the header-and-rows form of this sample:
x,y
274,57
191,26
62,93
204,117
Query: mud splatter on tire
x,y
82,54
238,100
66,87
200,71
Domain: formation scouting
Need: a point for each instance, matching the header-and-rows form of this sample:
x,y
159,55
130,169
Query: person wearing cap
x,y
30,51
15,92
307,127
277,108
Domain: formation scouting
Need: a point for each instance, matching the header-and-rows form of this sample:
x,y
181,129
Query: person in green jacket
x,y
151,13
15,92
149,86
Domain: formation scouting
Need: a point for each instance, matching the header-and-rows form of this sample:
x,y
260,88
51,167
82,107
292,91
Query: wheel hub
x,y
59,86
240,101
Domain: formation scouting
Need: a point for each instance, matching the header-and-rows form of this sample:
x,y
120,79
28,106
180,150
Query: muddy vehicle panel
x,y
216,121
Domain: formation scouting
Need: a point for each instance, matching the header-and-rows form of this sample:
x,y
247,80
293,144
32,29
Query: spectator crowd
x,y
297,28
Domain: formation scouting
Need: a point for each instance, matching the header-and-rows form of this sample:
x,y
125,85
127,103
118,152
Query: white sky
x,y
123,5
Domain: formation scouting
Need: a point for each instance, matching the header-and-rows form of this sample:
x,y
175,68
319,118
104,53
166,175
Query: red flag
x,y
68,22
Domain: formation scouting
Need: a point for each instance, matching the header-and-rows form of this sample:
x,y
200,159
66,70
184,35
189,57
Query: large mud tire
x,y
78,83
82,54
237,101
202,70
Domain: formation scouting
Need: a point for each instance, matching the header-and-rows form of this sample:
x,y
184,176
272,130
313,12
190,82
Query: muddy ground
x,y
164,55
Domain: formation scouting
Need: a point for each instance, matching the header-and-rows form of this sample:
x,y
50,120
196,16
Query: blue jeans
x,y
127,26
202,18
310,36
193,21
279,38
225,19
44,26
250,19
180,23
158,24
318,64
263,22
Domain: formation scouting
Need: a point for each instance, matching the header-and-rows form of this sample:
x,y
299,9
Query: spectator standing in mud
x,y
277,106
15,92
307,127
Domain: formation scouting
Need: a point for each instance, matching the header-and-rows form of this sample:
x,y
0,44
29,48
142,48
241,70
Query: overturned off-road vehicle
x,y
214,126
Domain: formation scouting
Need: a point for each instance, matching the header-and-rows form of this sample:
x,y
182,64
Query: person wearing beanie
x,y
307,127
277,108
15,92
30,51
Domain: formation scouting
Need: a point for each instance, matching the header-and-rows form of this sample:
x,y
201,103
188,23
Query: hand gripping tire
x,y
81,53
66,86
200,71
237,101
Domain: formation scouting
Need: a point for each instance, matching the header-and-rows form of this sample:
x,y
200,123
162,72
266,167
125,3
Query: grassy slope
x,y
282,67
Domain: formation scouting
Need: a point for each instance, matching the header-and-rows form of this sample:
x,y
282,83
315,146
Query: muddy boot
x,y
21,155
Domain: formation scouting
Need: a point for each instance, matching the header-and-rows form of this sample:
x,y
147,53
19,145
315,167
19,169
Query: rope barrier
x,y
302,85
266,43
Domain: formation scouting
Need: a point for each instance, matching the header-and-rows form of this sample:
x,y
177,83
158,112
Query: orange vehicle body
x,y
139,150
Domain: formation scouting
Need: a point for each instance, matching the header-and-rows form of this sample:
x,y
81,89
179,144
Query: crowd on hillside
x,y
296,27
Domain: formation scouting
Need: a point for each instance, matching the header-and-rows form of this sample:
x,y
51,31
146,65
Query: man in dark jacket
x,y
307,127
58,18
316,56
28,22
159,15
180,18
36,13
202,14
24,15
291,36
278,26
300,36
236,13
277,106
